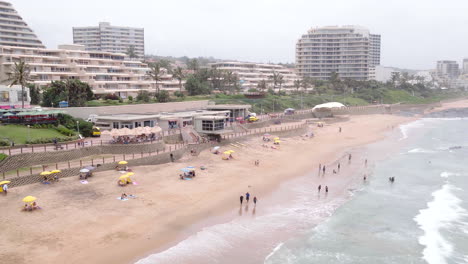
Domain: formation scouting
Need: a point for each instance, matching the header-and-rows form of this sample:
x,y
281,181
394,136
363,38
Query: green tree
x,y
216,79
179,74
262,85
166,64
195,86
20,76
155,73
277,79
131,52
75,92
395,79
35,94
143,96
297,85
193,64
163,97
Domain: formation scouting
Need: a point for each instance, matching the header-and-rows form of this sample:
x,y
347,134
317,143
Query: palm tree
x,y
280,82
193,64
277,79
262,85
155,73
131,52
178,73
20,76
297,84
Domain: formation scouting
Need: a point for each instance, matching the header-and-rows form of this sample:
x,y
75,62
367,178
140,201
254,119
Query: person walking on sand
x,y
365,163
320,167
339,167
255,200
241,198
340,129
323,169
247,197
365,177
319,188
349,158
326,189
5,188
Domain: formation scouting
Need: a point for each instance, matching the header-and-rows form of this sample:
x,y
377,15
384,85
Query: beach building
x,y
10,97
349,51
14,31
105,72
109,38
235,111
381,73
251,74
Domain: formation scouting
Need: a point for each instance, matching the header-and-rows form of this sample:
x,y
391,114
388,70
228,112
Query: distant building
x,y
447,69
105,72
381,73
348,51
10,97
465,66
14,31
110,38
251,74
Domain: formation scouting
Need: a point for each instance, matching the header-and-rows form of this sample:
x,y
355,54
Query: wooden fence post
x,y
21,150
56,166
114,158
45,148
81,163
9,152
66,146
17,172
103,161
101,144
92,161
123,156
30,170
68,164
133,155
142,154
32,149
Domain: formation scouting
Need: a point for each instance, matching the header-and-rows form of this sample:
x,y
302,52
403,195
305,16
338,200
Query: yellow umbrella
x,y
226,152
277,141
276,138
123,162
55,171
231,151
29,199
130,174
46,173
123,177
4,182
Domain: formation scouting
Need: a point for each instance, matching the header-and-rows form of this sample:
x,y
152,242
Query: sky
x,y
415,33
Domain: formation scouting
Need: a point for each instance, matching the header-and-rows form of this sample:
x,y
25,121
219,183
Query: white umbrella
x,y
84,170
329,105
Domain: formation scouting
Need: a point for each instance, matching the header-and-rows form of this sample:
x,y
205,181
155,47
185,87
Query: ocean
x,y
422,217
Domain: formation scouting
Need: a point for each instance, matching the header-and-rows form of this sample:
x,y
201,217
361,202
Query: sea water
x,y
420,218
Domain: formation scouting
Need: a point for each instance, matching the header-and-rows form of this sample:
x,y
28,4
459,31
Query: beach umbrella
x,y
29,199
266,135
84,170
46,173
4,182
226,152
231,151
123,162
125,176
55,171
185,170
190,167
89,168
130,174
216,148
106,132
276,138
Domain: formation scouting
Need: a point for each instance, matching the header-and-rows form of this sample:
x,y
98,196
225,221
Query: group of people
x,y
31,207
134,139
247,198
189,174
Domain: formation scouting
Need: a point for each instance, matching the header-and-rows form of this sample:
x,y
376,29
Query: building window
x,y
218,124
22,95
4,97
115,125
207,125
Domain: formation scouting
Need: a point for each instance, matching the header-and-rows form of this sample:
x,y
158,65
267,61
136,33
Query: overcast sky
x,y
415,33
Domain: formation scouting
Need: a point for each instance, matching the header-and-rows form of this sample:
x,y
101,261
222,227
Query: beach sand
x,y
86,223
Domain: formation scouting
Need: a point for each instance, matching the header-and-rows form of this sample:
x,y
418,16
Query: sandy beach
x,y
86,223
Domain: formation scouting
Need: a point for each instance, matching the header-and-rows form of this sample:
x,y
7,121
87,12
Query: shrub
x,y
143,96
4,143
3,156
179,94
130,98
64,131
111,97
49,140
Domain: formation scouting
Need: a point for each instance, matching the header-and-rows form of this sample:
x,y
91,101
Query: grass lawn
x,y
19,134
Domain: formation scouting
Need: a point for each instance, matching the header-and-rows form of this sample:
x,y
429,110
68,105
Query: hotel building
x,y
447,69
110,38
348,50
14,31
105,72
250,74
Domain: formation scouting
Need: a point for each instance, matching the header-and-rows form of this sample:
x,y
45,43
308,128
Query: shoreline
x,y
87,223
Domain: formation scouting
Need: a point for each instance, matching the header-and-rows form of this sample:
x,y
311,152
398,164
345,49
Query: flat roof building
x,y
10,97
14,31
348,51
106,37
105,72
447,69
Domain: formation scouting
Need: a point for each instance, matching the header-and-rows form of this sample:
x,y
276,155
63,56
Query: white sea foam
x,y
442,212
420,150
274,250
447,174
405,128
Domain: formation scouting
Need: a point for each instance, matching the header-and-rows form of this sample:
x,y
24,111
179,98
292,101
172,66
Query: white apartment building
x,y
106,37
348,50
465,66
11,97
14,31
381,73
250,74
105,72
447,69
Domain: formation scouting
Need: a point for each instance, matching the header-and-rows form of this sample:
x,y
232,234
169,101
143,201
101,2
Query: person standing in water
x,y
323,168
241,198
339,130
320,167
349,158
319,188
255,200
365,163
326,189
339,167
247,197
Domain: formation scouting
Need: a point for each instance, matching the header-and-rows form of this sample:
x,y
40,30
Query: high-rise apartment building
x,y
465,66
348,51
111,38
447,69
14,31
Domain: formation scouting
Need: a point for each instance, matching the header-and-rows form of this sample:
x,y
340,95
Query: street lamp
x,y
78,126
29,133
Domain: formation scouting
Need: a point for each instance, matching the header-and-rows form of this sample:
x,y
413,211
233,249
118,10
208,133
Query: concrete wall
x,y
84,112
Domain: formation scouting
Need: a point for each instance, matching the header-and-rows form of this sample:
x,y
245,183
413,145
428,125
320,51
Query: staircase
x,y
239,128
189,135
